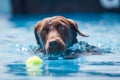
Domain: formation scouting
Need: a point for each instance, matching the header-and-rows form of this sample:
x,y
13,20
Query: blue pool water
x,y
17,37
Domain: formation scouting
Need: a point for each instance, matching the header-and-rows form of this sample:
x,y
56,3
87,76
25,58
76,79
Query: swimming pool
x,y
16,36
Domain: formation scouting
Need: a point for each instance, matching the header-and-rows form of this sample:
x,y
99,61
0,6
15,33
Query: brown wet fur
x,y
56,29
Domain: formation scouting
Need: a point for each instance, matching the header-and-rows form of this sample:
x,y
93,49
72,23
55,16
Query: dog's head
x,y
57,33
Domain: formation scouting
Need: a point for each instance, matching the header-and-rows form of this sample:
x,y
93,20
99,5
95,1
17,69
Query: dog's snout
x,y
55,46
53,43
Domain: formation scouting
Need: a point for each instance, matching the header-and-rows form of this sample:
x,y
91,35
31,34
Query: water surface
x,y
16,36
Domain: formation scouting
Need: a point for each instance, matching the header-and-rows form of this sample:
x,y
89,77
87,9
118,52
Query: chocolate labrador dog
x,y
56,34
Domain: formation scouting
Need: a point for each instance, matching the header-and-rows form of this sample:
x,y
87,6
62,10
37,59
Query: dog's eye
x,y
62,28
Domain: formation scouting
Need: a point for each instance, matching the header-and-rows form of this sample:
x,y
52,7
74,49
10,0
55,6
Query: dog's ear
x,y
75,27
36,29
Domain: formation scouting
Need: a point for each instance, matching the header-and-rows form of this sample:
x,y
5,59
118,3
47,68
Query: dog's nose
x,y
53,43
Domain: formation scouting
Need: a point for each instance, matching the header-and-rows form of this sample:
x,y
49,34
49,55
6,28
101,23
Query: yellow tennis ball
x,y
34,61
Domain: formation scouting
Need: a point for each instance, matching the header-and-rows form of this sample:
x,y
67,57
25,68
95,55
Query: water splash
x,y
78,49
